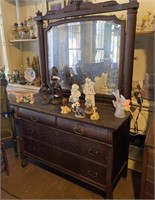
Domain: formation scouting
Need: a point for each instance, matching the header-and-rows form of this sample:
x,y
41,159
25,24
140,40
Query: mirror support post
x,y
41,50
129,52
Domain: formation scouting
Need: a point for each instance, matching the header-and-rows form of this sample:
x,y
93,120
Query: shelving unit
x,y
17,50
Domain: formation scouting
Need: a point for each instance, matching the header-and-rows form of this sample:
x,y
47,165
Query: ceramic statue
x,y
88,90
64,108
119,104
75,93
101,83
78,111
95,115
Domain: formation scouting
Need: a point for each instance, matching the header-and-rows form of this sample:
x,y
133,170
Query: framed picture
x,y
55,4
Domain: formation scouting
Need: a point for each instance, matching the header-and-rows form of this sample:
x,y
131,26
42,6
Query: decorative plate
x,y
29,74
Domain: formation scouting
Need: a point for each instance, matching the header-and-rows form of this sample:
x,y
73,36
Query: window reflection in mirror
x,y
86,49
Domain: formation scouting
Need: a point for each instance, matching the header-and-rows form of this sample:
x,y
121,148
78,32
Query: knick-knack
x,y
75,93
88,90
119,104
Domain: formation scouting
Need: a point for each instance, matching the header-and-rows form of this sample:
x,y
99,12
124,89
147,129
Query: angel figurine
x,y
119,104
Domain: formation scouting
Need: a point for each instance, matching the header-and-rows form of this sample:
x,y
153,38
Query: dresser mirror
x,y
87,47
86,39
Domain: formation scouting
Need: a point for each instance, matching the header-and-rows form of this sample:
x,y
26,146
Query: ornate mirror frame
x,y
78,11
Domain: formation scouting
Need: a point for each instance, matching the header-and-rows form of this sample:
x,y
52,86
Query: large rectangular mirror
x,y
87,47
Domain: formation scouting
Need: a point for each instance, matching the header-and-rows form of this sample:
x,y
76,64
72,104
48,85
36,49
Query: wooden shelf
x,y
15,87
22,40
143,33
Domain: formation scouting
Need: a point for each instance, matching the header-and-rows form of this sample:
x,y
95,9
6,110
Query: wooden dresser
x,y
95,152
147,181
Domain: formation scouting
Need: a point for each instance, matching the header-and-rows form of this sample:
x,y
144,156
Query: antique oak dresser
x,y
95,152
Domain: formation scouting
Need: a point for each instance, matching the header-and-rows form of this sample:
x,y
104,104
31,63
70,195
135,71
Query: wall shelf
x,y
22,40
143,33
15,88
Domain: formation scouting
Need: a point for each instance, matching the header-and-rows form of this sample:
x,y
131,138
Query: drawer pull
x,y
29,131
95,153
93,173
79,130
34,118
31,148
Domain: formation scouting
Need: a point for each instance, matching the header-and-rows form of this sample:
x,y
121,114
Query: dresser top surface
x,y
106,113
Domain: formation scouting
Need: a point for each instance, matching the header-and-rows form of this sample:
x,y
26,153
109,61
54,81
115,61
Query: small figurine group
x,y
54,95
146,24
25,30
27,98
88,90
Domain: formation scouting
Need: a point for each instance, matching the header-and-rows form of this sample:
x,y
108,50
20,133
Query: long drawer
x,y
85,147
81,168
85,130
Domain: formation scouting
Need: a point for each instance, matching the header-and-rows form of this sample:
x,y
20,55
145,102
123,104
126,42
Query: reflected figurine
x,y
55,87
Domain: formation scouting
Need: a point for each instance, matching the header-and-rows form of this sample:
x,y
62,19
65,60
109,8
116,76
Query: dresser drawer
x,y
68,141
86,130
34,116
74,165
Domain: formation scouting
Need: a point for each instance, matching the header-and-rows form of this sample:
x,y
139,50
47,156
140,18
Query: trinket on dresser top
x,y
75,93
78,111
65,109
88,90
95,115
121,104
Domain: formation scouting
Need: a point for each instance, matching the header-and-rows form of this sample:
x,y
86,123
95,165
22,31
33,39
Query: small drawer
x,y
37,117
86,130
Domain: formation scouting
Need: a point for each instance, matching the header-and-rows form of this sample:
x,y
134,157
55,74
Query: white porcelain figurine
x,y
119,104
75,93
88,90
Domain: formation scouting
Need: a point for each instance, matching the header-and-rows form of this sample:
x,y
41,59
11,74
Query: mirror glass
x,y
88,48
